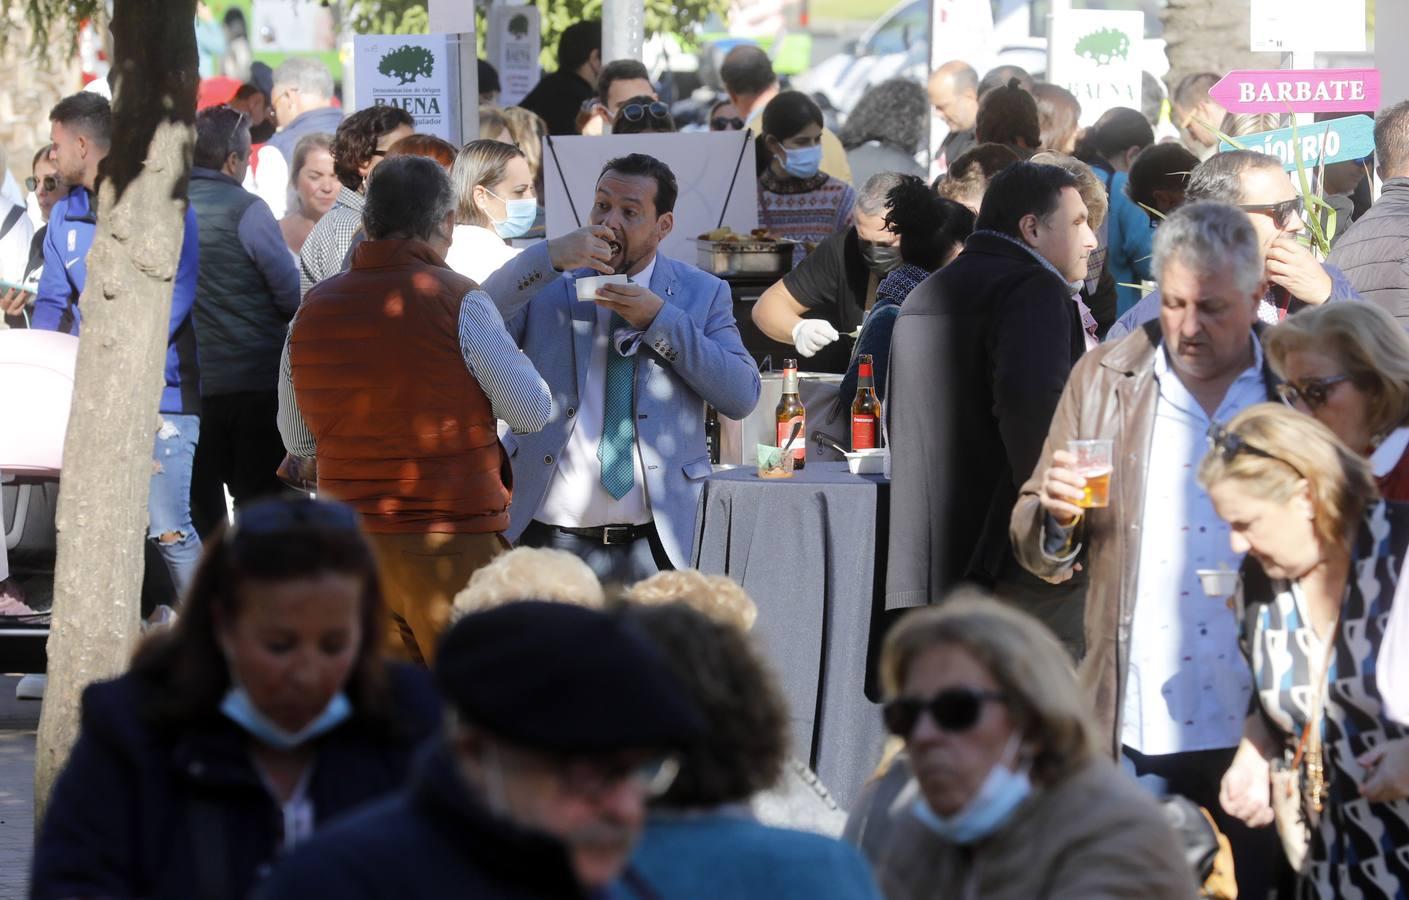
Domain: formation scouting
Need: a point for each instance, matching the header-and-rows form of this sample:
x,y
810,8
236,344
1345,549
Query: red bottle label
x,y
863,432
785,429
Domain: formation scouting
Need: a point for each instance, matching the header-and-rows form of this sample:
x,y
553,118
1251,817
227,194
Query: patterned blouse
x,y
800,210
1359,849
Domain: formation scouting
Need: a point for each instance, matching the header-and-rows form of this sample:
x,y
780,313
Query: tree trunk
x,y
126,305
1210,36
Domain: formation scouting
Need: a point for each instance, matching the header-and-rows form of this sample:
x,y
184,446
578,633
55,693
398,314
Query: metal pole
x,y
623,29
458,19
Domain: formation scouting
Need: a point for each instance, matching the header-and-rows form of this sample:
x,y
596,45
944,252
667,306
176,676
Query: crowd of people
x,y
478,661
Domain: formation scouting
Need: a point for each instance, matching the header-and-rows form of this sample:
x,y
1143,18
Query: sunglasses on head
x,y
724,123
1280,213
635,112
50,182
954,710
1230,444
1311,391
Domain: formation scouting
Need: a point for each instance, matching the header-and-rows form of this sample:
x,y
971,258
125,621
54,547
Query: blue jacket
x,y
142,810
1130,240
718,855
433,839
691,355
72,224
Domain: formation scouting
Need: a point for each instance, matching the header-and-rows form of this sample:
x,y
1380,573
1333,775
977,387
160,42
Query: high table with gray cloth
x,y
810,551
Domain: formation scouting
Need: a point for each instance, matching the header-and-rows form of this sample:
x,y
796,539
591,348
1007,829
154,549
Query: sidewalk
x,y
18,721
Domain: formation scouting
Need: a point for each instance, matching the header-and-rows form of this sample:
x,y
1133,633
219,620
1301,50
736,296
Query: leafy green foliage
x,y
53,23
389,17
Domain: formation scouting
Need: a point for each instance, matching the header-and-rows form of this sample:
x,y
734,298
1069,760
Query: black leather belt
x,y
610,535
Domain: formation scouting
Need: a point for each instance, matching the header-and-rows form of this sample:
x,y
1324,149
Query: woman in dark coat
x,y
264,713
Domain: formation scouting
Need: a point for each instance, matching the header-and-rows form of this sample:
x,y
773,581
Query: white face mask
x,y
1001,793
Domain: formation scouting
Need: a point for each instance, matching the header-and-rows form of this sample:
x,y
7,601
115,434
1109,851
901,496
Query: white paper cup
x,y
1218,582
866,462
587,287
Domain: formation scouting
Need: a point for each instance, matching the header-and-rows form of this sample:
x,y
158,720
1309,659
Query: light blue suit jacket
x,y
691,355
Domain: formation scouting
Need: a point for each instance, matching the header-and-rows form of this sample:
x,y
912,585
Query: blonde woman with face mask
x,y
497,202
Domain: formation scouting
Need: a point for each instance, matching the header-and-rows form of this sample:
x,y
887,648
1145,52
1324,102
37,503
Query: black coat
x,y
979,357
139,812
1374,252
433,839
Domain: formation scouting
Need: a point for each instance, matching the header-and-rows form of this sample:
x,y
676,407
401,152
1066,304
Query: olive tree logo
x,y
407,63
518,26
1105,46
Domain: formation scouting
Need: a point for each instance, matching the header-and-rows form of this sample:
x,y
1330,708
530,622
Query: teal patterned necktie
x,y
618,442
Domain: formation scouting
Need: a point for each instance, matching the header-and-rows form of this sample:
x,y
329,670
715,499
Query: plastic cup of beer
x,y
1093,462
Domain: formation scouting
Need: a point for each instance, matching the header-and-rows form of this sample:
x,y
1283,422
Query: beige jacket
x,y
1112,393
1095,835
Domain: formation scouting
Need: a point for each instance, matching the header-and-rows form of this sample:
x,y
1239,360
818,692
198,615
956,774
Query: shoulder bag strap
x,y
11,220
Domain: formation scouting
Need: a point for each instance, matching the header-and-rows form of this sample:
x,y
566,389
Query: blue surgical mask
x,y
519,216
240,709
1001,793
803,162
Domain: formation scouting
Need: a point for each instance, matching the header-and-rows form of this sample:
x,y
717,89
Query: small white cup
x,y
1218,582
587,287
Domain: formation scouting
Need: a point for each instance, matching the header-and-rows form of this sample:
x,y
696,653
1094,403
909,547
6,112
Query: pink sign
x,y
1299,91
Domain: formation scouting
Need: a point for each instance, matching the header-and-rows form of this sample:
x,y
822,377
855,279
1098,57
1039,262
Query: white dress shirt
x,y
1188,685
271,180
477,252
576,497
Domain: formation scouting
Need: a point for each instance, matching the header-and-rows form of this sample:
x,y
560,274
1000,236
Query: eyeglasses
x,y
1311,391
954,710
1230,444
50,182
277,516
726,124
1281,213
594,777
635,112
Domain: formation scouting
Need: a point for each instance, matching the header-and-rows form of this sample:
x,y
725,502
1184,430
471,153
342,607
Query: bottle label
x,y
863,432
785,429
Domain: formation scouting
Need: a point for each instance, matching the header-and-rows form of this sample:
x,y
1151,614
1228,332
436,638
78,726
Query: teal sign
x,y
1333,141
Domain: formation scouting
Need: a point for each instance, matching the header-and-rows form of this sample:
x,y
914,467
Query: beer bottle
x,y
712,433
790,412
865,409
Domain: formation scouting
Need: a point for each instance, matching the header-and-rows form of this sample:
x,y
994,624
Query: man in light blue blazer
x,y
615,476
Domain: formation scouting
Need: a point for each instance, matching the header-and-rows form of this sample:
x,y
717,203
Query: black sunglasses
x,y
726,124
1281,213
1230,444
953,710
635,112
277,516
1311,391
50,182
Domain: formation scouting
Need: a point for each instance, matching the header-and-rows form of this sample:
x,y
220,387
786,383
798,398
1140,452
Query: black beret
x,y
565,679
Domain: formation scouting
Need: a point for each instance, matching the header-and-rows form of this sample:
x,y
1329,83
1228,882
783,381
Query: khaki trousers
x,y
421,574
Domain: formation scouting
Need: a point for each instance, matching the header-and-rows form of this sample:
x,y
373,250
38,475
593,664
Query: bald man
x,y
953,92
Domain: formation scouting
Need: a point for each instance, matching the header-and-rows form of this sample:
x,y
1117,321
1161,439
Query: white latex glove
x,y
811,335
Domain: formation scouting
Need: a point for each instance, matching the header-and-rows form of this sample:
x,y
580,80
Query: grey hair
x,y
1392,140
307,76
872,199
1220,177
407,197
1209,237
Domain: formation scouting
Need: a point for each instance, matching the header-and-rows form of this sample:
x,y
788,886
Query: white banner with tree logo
x,y
1094,54
513,39
417,72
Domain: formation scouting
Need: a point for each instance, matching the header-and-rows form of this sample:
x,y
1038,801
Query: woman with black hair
x,y
886,129
932,231
264,713
796,200
1110,147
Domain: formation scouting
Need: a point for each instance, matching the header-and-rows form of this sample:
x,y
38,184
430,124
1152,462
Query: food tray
x,y
745,257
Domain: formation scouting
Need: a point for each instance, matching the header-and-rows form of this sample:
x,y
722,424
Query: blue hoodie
x,y
72,225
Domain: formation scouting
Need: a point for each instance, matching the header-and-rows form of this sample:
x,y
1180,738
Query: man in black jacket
x,y
246,292
980,355
561,723
559,95
1374,254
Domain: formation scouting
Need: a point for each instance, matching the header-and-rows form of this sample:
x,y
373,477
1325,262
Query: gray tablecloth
x,y
805,549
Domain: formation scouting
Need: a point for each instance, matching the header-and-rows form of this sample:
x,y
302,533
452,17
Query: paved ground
x,y
18,720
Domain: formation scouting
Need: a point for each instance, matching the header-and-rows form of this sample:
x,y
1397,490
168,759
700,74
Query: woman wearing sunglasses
x,y
643,115
796,200
1318,584
1011,797
1347,364
266,712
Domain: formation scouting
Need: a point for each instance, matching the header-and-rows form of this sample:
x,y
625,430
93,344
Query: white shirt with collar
x,y
576,497
478,252
1388,453
1188,685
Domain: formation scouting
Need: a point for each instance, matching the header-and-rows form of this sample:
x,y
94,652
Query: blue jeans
x,y
169,500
